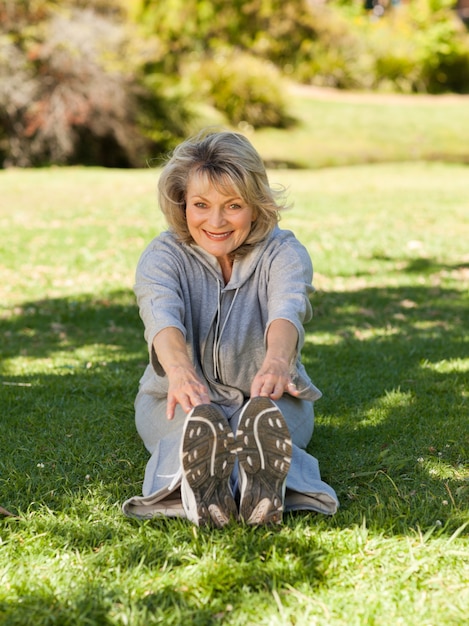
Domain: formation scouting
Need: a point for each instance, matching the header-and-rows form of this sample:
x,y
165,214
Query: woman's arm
x,y
185,387
274,378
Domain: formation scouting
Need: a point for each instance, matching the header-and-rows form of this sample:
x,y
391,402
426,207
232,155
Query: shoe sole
x,y
208,459
264,454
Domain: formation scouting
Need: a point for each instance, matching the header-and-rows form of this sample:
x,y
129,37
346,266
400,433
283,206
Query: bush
x,y
391,52
245,89
334,57
443,45
77,109
71,92
419,47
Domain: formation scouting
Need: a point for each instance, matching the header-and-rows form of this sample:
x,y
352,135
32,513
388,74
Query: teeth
x,y
218,236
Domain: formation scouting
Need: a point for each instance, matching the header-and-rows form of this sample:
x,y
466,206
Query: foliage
x,y
273,28
421,46
233,49
248,90
115,83
67,104
443,46
76,94
15,15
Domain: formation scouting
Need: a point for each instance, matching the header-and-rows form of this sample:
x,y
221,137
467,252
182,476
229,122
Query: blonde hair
x,y
228,160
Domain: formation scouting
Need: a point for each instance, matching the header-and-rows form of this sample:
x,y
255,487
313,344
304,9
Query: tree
x,y
72,91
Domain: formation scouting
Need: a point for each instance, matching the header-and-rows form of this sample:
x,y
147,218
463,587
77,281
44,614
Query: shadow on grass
x,y
392,434
426,265
392,429
67,411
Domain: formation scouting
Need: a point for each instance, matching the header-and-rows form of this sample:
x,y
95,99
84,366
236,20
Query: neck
x,y
226,265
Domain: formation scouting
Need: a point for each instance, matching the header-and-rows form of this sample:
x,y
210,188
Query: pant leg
x,y
152,423
162,438
299,416
305,488
163,472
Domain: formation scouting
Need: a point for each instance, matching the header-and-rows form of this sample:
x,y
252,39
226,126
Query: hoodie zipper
x,y
219,332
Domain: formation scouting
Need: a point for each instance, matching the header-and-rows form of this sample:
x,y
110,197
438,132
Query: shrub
x,y
419,47
71,92
69,107
245,89
443,45
334,57
391,52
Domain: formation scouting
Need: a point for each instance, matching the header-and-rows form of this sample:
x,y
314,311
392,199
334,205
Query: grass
x,y
356,129
388,347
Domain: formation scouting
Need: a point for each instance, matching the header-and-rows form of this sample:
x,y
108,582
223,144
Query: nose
x,y
216,219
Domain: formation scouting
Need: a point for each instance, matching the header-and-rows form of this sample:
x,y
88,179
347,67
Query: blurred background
x,y
116,83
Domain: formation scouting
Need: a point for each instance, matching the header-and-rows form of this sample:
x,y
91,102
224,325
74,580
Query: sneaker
x,y
264,455
208,458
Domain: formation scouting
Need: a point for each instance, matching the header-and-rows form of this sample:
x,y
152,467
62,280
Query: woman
x,y
225,406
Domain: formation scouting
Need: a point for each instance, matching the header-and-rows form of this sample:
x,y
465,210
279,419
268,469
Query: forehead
x,y
202,182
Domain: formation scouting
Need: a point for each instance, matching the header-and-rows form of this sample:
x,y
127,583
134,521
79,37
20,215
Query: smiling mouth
x,y
218,236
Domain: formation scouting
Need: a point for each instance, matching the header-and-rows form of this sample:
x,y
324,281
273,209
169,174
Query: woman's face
x,y
219,220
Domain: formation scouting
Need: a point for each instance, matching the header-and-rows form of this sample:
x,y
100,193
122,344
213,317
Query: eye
x,y
234,206
200,205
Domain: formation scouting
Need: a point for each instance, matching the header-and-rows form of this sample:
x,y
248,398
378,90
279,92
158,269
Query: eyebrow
x,y
204,198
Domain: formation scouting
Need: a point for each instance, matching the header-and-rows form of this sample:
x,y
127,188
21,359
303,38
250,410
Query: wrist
x,y
172,368
279,361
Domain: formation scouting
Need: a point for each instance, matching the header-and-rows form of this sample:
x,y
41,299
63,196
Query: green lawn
x,y
369,129
388,346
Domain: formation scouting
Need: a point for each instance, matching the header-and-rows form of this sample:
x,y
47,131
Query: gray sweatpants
x,y
162,438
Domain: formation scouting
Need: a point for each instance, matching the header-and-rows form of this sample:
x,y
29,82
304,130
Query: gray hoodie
x,y
225,326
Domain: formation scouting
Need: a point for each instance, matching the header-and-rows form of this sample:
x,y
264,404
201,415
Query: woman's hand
x,y
184,389
273,380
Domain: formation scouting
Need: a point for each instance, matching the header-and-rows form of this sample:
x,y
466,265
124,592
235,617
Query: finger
x,y
292,389
170,408
200,397
266,389
264,386
184,400
256,388
271,389
278,390
187,406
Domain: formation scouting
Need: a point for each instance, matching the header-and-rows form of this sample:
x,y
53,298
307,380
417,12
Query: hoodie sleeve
x,y
289,285
159,294
289,290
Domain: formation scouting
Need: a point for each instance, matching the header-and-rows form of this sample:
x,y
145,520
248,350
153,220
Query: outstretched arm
x,y
274,378
185,387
